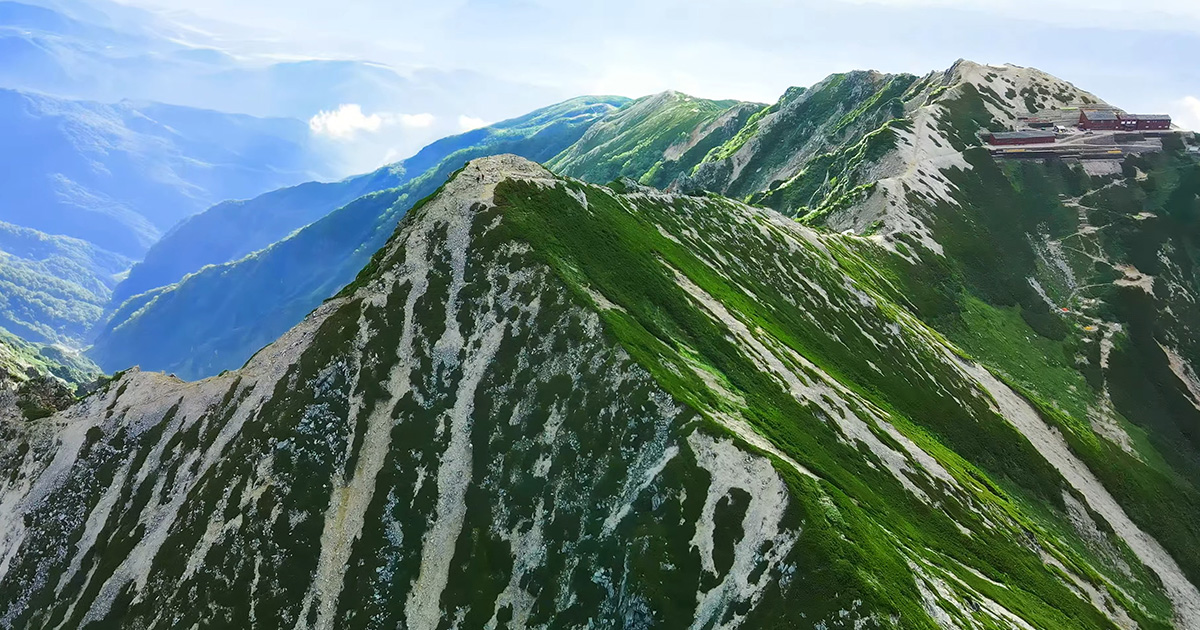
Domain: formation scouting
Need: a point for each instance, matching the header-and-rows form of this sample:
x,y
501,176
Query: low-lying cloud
x,y
348,120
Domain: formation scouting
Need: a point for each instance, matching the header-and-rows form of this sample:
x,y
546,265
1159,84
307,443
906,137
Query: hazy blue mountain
x,y
216,318
233,229
102,51
120,175
47,51
87,49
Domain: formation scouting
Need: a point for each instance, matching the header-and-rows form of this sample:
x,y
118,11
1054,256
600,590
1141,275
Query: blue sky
x,y
1138,55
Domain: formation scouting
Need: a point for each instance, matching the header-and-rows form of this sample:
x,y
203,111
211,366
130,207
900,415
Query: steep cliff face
x,y
418,451
546,403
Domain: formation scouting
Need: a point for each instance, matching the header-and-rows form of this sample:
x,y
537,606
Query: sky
x,y
1140,56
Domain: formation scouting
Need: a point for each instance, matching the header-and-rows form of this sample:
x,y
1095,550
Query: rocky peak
x,y
1013,91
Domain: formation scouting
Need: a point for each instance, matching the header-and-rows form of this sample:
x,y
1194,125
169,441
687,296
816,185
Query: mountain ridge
x,y
305,268
233,229
650,139
781,398
632,141
118,175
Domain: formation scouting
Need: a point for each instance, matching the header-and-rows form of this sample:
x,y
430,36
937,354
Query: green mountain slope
x,y
215,319
1075,282
847,154
653,139
232,229
53,288
18,357
39,380
937,117
546,403
780,139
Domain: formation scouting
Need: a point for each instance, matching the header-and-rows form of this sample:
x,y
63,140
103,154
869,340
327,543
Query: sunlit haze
x,y
750,50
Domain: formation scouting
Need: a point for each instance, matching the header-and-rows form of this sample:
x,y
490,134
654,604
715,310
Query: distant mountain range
x,y
86,188
119,176
105,51
252,299
231,230
93,151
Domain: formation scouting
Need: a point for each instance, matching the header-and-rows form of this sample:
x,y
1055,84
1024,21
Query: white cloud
x,y
467,123
1187,113
344,122
348,120
415,121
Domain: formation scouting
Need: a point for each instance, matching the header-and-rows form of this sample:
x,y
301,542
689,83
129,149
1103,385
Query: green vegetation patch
x,y
632,141
615,247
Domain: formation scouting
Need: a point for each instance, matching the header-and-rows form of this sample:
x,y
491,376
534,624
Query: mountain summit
x,y
550,403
